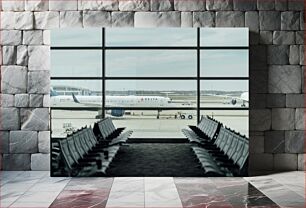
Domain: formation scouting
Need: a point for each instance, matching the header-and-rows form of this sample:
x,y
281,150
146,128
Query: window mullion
x,y
103,72
198,76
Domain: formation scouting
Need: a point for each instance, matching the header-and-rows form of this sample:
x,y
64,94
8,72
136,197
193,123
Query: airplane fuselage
x,y
114,101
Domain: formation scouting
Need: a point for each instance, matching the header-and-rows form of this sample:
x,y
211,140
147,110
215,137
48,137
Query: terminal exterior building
x,y
68,90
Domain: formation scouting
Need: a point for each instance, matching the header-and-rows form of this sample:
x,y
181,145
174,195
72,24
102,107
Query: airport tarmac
x,y
145,123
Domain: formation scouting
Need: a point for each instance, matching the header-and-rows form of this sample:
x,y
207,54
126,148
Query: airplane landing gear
x,y
158,114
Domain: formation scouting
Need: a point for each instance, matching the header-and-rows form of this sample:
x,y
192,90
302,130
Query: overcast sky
x,y
151,63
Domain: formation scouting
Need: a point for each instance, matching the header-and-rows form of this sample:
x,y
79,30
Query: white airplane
x,y
118,102
244,98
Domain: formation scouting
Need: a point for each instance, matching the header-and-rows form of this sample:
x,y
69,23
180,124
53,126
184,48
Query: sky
x,y
165,63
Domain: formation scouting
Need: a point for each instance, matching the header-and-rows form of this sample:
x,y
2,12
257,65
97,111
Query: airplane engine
x,y
234,101
117,112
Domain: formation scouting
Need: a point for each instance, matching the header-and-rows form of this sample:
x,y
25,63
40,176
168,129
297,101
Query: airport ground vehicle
x,y
185,115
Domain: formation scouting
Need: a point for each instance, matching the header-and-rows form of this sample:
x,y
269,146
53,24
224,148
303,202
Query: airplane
x,y
117,102
244,97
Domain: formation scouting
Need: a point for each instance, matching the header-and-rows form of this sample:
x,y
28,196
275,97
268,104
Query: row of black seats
x,y
220,151
85,154
206,130
106,132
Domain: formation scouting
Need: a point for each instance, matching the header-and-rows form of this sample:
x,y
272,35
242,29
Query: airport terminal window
x,y
67,115
143,37
224,37
224,93
149,63
71,37
179,89
234,119
70,63
153,81
224,63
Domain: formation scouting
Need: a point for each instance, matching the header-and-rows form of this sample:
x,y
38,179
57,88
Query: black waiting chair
x,y
205,132
74,167
219,150
107,133
226,157
84,154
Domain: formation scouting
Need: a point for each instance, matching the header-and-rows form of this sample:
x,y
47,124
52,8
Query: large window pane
x,y
76,37
224,37
63,122
150,93
151,37
224,63
160,63
88,93
237,120
224,93
84,97
158,94
76,63
145,124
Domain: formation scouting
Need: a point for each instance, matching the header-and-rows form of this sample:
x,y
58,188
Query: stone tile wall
x,y
276,67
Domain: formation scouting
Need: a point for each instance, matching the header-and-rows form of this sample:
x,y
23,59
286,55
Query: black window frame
x,y
198,78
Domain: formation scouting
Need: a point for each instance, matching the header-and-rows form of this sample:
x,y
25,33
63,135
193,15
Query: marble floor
x,y
36,189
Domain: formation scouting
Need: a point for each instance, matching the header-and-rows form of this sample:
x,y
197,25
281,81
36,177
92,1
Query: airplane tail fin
x,y
75,99
53,93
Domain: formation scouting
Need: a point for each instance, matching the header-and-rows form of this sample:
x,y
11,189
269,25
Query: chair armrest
x,y
55,153
197,131
103,142
91,161
95,152
86,163
56,149
192,127
222,159
214,152
227,165
120,129
99,137
209,146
